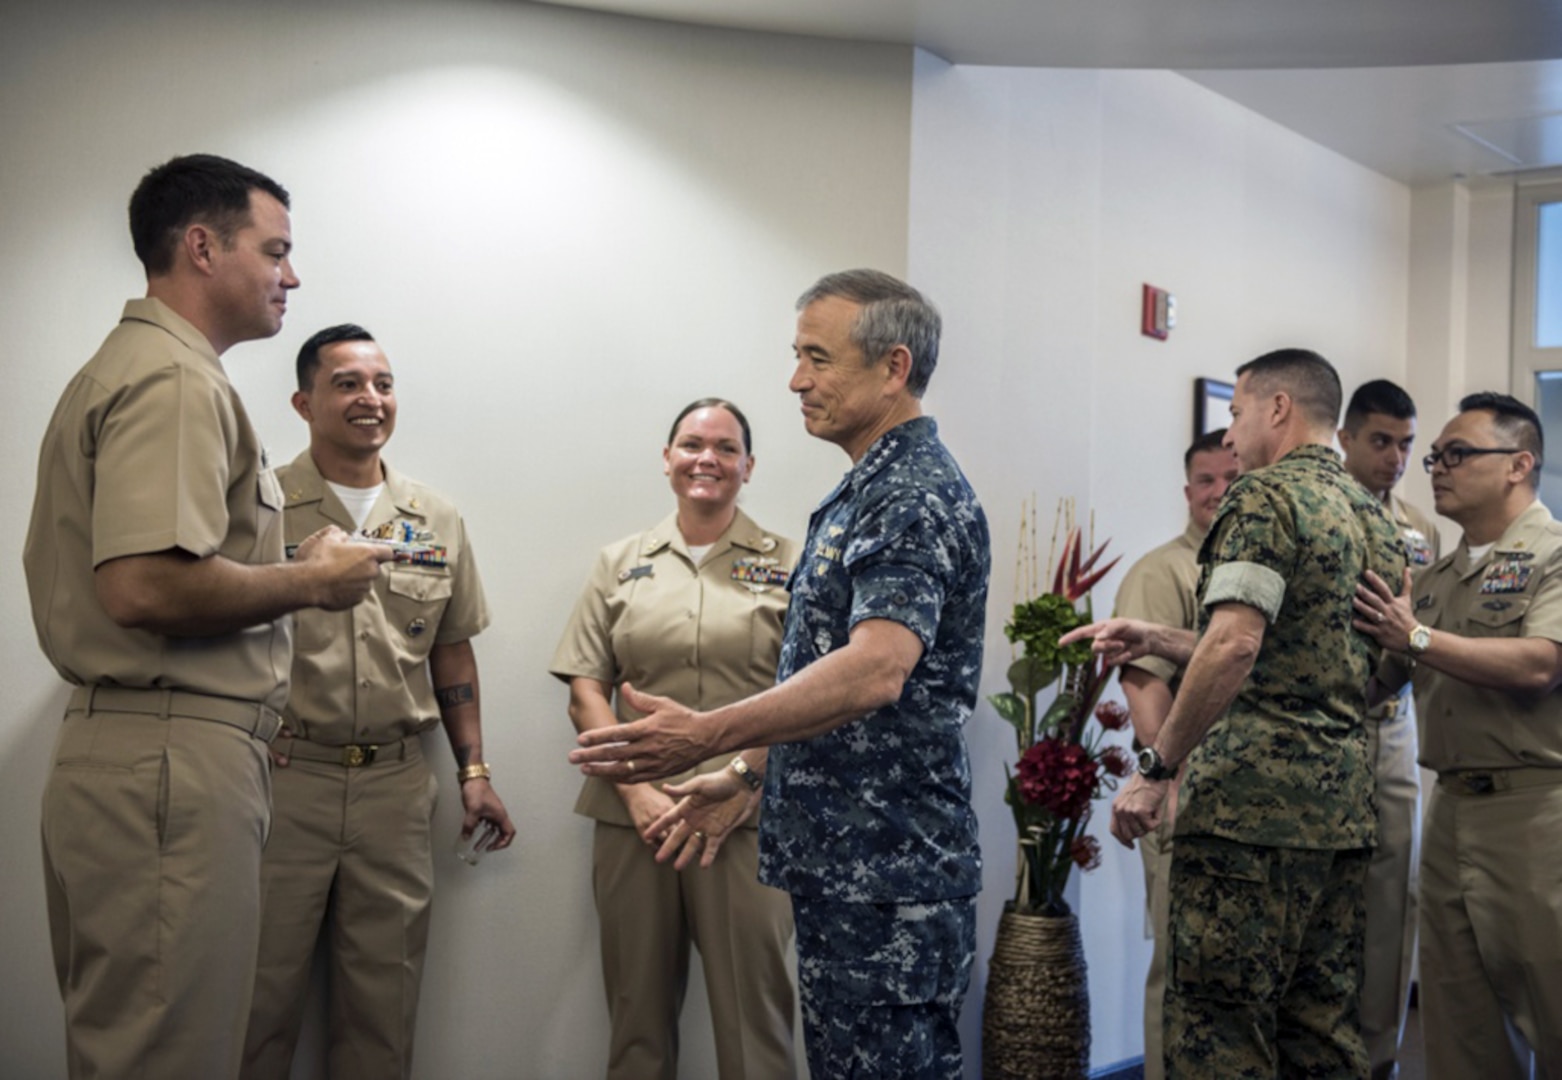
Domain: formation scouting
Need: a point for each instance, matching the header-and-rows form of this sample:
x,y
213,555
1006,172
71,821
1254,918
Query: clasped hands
x,y
668,739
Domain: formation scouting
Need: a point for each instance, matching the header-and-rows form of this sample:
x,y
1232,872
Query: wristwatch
x,y
1420,639
746,774
1151,767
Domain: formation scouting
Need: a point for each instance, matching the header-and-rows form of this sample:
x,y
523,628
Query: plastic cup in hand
x,y
469,849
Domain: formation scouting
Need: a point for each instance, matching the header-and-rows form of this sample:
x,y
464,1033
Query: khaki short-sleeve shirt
x,y
362,675
1513,591
150,449
1163,588
704,636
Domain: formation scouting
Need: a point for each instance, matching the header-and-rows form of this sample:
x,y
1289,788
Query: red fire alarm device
x,y
1159,313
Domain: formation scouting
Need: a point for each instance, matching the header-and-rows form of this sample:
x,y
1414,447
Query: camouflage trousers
x,y
881,987
1266,960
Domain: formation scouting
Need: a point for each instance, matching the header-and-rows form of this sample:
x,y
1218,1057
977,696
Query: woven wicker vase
x,y
1036,1019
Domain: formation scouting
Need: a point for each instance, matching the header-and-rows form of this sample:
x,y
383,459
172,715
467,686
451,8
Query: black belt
x,y
1490,781
347,755
251,717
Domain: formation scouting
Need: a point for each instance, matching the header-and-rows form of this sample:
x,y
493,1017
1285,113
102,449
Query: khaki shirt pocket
x,y
1497,616
414,602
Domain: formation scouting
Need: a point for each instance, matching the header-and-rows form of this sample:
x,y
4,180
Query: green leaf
x,y
1061,708
1009,706
1030,675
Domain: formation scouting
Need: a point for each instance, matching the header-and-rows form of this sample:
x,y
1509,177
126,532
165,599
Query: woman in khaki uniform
x,y
692,609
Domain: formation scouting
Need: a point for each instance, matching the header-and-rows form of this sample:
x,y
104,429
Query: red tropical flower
x,y
1117,761
1060,776
1086,852
1112,715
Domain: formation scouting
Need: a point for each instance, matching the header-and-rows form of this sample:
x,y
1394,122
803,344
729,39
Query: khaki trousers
x,y
1491,932
650,914
1391,885
1155,849
349,862
152,837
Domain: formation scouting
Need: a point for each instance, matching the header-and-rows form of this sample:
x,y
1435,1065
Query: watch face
x,y
1149,760
1420,638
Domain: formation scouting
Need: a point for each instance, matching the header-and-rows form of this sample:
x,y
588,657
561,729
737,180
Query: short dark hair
x,y
309,353
714,403
1515,421
893,313
196,187
1210,440
1378,396
1311,381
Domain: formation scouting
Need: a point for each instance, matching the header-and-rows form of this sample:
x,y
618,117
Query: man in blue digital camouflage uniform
x,y
1275,820
868,822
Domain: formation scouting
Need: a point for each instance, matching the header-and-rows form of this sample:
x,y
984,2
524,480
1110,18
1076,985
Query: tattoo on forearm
x,y
451,696
465,755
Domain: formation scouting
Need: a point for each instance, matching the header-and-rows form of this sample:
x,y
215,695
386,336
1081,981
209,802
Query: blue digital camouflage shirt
x,y
879,809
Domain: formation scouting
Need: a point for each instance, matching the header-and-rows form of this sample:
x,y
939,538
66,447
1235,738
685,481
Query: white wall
x,y
562,227
1040,202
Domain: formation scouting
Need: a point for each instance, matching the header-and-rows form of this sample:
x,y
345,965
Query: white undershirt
x,y
698,553
1479,553
358,501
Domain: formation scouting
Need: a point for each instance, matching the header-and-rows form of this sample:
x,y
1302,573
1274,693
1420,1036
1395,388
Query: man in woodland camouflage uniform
x,y
1275,821
867,817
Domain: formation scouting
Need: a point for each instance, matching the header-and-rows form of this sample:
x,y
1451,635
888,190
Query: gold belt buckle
x,y
356,754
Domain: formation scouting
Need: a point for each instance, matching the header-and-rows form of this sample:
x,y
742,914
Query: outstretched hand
x,y
1116,641
666,741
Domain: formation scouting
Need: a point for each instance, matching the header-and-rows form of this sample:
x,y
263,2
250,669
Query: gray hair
x,y
893,313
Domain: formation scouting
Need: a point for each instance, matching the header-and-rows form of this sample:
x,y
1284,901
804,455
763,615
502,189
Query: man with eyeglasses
x,y
1377,436
1481,640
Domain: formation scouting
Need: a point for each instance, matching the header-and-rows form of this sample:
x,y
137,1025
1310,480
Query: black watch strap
x,y
1151,767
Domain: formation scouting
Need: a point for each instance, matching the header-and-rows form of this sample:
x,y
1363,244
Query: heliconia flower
x,y
1086,852
1116,760
1074,579
1112,715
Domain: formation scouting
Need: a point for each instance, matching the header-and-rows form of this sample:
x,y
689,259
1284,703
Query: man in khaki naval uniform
x,y
154,563
350,856
1482,643
1162,587
1377,438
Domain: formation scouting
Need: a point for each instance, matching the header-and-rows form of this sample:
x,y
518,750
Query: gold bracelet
x,y
474,772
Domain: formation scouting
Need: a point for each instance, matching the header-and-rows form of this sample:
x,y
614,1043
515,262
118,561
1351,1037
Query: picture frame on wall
x,y
1211,405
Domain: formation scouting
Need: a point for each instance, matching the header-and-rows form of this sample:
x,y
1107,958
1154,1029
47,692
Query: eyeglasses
x,y
1453,456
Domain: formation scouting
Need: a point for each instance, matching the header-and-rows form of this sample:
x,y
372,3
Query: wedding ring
x,y
631,764
1378,615
698,835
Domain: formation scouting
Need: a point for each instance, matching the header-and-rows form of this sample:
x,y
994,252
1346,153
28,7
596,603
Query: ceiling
x,y
1419,90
